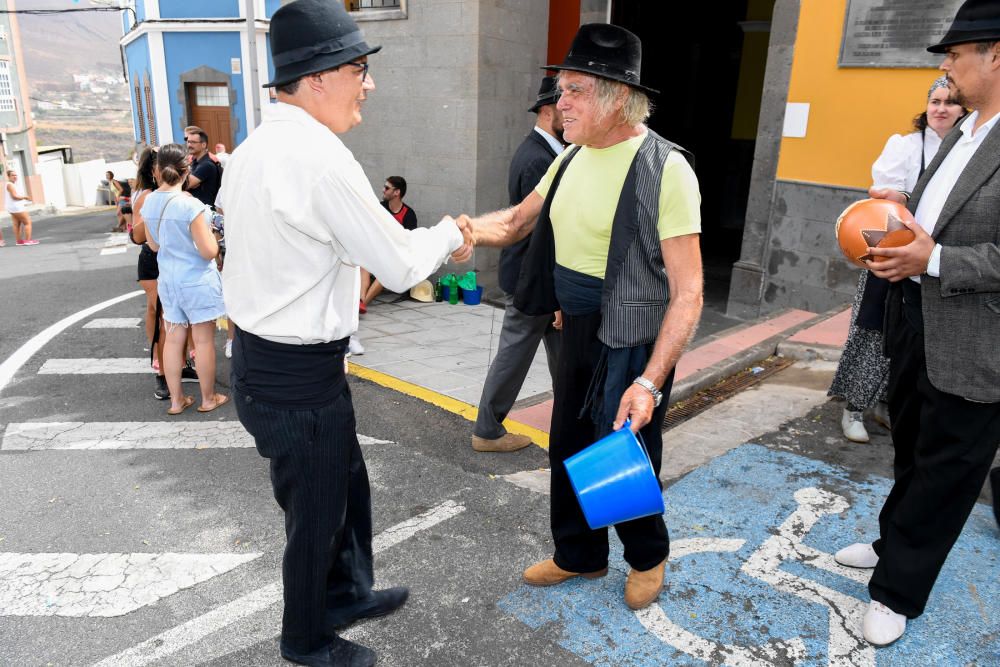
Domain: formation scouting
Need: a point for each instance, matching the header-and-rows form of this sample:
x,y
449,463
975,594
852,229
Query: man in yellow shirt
x,y
616,247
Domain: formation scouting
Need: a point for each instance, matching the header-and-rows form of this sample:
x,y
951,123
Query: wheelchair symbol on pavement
x,y
846,644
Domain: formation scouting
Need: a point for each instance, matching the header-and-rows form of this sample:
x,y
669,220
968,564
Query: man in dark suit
x,y
943,339
521,333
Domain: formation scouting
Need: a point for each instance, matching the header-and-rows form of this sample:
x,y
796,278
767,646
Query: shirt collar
x,y
983,130
550,140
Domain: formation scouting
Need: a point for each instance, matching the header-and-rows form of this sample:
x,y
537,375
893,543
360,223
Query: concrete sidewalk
x,y
441,353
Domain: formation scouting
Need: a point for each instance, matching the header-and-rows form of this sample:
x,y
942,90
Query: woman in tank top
x,y
19,216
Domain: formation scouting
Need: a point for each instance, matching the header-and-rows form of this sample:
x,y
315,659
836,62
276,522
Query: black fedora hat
x,y
547,94
607,51
976,21
310,36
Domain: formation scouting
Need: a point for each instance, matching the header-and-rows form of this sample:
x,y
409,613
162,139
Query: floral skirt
x,y
863,372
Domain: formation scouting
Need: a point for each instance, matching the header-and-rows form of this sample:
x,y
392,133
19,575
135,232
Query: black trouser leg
x,y
321,483
577,547
944,446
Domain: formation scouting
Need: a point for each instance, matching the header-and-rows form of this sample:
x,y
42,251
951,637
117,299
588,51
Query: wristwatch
x,y
651,388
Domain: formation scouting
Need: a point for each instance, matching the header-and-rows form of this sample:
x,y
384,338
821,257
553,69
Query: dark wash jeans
x,y
320,481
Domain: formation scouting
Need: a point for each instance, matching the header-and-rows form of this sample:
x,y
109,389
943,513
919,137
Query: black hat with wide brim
x,y
608,51
547,94
309,36
976,21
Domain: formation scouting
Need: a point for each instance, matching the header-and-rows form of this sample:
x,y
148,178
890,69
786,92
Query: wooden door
x,y
209,110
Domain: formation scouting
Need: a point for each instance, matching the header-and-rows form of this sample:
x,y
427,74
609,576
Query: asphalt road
x,y
128,537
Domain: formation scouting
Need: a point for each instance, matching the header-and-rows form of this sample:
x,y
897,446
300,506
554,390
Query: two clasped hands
x,y
464,224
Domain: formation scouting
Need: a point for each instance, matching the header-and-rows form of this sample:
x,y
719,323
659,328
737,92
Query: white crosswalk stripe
x,y
113,323
33,436
111,366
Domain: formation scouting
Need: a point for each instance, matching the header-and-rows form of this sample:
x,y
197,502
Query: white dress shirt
x,y
943,182
301,217
550,140
898,167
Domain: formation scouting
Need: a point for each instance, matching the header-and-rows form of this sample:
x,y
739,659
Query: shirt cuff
x,y
452,233
934,263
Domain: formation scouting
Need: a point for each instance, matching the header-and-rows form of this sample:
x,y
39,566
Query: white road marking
x,y
115,250
656,621
13,363
113,323
176,639
109,366
33,436
847,646
104,585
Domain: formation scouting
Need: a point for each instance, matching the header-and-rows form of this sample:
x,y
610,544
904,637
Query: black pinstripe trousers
x,y
320,481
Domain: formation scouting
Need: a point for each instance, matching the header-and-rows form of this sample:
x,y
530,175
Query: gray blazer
x,y
962,308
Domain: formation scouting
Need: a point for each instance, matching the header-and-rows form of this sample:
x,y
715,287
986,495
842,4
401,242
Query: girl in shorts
x,y
189,285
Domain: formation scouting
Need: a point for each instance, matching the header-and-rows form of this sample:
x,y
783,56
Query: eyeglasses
x,y
363,67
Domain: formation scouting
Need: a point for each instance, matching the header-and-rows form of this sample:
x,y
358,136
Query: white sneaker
x,y
853,426
229,349
882,626
881,415
355,347
860,555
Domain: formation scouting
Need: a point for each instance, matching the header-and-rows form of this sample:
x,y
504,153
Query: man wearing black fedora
x,y
301,222
942,338
521,333
616,248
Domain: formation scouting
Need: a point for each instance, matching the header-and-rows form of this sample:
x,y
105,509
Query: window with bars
x,y
153,140
6,89
360,5
211,96
139,112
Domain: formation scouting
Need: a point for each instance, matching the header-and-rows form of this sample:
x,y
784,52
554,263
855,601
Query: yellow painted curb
x,y
453,405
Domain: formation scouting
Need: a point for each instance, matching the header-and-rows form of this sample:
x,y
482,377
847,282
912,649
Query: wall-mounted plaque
x,y
894,33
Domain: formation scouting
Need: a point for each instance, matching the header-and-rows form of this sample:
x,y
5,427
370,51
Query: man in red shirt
x,y
392,199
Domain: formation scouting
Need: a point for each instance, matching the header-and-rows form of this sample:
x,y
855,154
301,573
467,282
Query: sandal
x,y
188,402
220,399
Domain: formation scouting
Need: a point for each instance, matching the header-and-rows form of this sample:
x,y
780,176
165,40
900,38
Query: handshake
x,y
464,224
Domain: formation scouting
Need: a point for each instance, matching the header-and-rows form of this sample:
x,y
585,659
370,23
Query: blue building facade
x,y
190,62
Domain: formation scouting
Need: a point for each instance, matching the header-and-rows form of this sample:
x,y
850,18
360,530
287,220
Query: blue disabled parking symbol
x,y
751,579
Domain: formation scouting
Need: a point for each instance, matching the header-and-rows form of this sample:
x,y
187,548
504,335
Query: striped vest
x,y
635,293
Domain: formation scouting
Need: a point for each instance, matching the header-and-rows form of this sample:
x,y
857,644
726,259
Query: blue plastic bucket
x,y
614,480
473,297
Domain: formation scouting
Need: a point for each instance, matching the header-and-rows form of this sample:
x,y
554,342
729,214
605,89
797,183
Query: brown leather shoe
x,y
508,442
641,588
547,573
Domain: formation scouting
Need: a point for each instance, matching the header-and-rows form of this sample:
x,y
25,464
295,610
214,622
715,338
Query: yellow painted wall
x,y
852,111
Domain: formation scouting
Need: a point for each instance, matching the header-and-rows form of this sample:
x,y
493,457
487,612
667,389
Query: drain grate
x,y
681,411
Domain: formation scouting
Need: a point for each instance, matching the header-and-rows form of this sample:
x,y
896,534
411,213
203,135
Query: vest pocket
x,y
994,305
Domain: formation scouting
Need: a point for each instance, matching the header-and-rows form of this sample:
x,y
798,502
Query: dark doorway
x,y
708,60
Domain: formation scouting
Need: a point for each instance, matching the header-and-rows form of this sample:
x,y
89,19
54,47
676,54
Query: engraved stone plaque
x,y
894,33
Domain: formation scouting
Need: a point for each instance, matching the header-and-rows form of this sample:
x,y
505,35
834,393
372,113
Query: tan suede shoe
x,y
508,442
547,573
641,588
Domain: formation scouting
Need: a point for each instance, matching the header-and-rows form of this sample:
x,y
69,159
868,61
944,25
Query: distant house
x,y
17,134
188,63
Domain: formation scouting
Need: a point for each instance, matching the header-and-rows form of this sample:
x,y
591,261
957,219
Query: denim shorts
x,y
192,303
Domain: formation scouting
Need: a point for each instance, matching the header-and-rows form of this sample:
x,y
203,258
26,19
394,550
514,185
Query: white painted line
x,y
14,362
110,366
102,585
34,436
113,323
117,238
847,646
116,250
407,529
176,639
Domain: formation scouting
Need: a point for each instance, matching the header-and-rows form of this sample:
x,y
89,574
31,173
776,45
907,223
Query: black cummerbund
x,y
297,377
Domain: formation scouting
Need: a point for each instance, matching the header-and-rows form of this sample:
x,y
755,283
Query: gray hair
x,y
635,109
